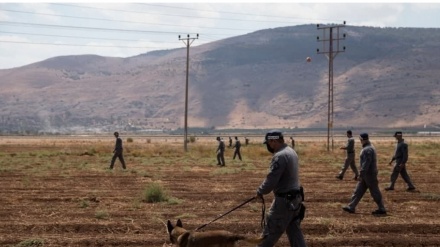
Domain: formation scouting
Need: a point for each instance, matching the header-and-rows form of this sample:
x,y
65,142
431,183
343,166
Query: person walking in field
x,y
401,158
293,142
246,141
237,147
230,142
367,178
287,210
349,160
117,152
220,152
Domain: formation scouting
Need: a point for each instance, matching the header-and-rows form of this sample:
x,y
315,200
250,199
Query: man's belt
x,y
350,152
286,194
290,195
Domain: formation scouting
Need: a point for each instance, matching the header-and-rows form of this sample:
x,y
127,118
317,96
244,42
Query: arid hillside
x,y
387,77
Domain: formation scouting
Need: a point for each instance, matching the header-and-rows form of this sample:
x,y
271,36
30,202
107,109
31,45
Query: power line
x,y
76,27
121,21
82,37
198,17
88,28
103,19
101,46
234,13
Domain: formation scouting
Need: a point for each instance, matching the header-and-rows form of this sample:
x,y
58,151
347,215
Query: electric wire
x,y
119,21
204,37
63,44
83,37
234,13
188,16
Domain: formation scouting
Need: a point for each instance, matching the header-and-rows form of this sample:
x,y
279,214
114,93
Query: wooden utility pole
x,y
331,48
187,41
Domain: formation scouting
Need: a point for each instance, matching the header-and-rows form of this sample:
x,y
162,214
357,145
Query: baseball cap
x,y
273,135
397,133
363,136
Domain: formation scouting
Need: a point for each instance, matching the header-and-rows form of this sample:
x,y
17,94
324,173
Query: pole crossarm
x,y
187,41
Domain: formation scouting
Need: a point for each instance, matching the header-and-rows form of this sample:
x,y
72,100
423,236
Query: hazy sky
x,y
32,32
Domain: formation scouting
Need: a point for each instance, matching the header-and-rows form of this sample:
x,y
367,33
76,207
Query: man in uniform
x,y
237,146
367,179
293,142
401,157
220,152
287,209
117,152
349,160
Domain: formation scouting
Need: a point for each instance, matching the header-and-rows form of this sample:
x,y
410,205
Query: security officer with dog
x,y
287,209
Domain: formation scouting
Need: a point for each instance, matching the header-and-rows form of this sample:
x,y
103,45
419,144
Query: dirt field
x,y
57,191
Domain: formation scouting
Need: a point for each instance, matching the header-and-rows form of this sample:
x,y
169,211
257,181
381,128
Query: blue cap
x,y
363,136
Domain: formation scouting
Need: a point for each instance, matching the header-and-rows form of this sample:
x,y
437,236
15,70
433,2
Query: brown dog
x,y
184,238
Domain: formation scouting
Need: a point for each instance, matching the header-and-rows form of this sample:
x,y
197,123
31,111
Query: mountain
x,y
387,77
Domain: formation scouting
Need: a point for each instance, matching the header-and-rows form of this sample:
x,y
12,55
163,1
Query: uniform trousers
x,y
349,162
221,158
371,183
283,218
237,152
402,171
117,154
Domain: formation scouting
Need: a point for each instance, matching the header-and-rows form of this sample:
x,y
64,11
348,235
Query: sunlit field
x,y
58,191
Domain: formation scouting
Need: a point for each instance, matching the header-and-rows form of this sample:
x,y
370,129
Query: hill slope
x,y
388,77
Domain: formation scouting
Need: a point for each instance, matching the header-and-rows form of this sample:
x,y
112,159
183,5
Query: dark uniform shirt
x,y
350,145
118,145
221,146
237,145
401,153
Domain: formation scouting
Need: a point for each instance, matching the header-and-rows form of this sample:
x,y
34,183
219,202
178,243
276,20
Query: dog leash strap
x,y
263,213
230,211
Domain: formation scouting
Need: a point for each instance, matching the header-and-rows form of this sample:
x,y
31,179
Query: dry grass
x,y
44,172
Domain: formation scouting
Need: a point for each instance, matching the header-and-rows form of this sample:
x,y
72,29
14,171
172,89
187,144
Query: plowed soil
x,y
58,191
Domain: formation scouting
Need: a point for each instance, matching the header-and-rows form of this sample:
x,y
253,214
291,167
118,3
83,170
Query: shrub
x,y
129,139
101,215
192,139
31,243
84,203
154,193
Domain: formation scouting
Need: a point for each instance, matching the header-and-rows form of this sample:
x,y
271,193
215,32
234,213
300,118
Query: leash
x,y
230,211
263,214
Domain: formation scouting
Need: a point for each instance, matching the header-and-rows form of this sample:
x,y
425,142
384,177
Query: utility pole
x,y
331,48
187,41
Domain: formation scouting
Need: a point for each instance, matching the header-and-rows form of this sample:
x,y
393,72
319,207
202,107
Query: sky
x,y
33,32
